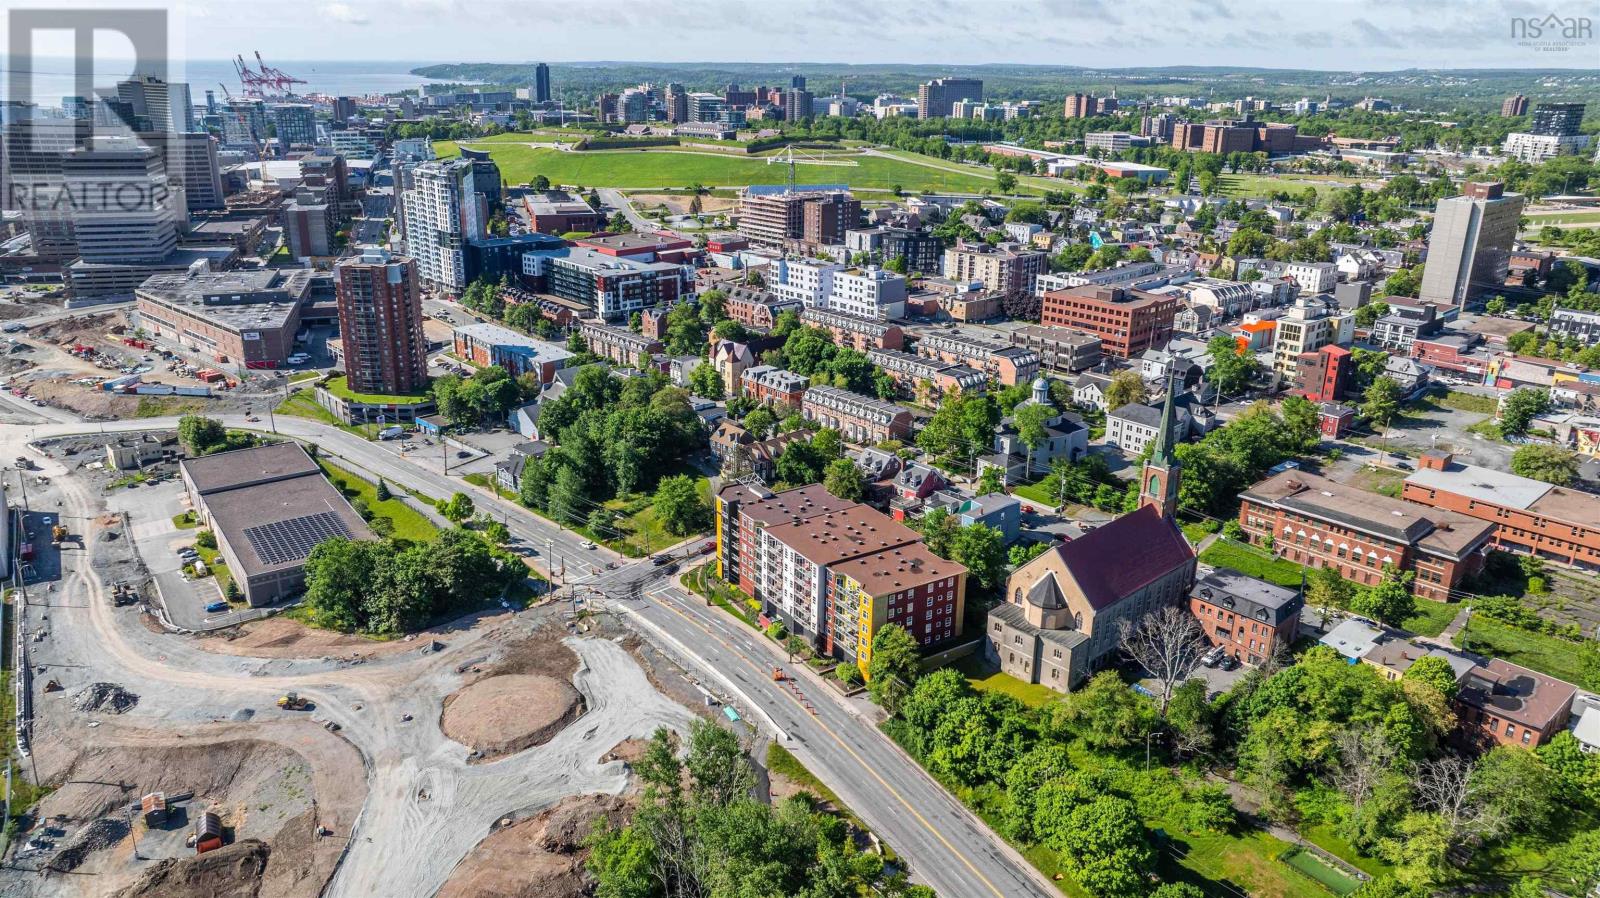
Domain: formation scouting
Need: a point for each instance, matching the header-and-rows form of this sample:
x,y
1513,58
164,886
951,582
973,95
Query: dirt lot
x,y
679,202
259,780
503,715
540,857
232,871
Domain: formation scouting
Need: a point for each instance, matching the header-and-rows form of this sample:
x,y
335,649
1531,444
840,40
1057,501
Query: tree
x,y
201,435
1125,387
1434,671
705,381
1168,644
1382,402
1390,601
618,223
1300,423
760,422
1418,849
1032,423
1231,366
1005,182
457,508
1106,847
381,493
1326,590
989,482
1551,464
1106,713
894,667
1518,410
843,479
982,550
677,504
1367,315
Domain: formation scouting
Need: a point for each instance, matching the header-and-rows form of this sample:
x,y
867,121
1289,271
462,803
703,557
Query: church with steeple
x,y
1063,612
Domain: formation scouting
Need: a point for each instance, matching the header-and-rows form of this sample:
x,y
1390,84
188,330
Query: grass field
x,y
1246,185
981,678
338,386
674,167
1538,651
1249,560
1539,219
408,522
1334,879
1431,617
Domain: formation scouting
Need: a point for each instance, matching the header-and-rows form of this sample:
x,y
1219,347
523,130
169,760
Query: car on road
x,y
216,607
708,548
588,544
1403,465
299,358
462,453
659,560
1027,509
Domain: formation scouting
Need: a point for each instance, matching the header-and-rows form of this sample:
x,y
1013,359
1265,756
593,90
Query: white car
x,y
299,358
588,544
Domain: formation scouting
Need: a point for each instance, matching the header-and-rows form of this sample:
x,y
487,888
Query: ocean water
x,y
53,78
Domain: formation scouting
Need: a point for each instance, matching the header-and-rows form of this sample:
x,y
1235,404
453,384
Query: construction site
x,y
97,366
271,759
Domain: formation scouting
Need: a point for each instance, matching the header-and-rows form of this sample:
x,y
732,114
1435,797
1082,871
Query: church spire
x,y
1158,483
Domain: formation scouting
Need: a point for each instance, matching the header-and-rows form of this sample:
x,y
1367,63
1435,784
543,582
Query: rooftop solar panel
x,y
293,540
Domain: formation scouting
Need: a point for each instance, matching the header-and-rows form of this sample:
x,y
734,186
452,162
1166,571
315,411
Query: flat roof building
x,y
248,318
269,506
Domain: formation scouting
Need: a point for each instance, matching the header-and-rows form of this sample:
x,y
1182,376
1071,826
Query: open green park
x,y
682,167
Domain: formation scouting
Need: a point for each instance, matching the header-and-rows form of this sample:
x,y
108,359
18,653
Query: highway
x,y
946,846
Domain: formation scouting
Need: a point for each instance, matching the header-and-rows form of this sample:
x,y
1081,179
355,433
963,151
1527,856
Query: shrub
x,y
1233,530
205,539
776,631
1537,586
848,674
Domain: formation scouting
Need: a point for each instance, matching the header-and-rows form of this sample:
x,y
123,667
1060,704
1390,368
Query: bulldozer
x,y
58,534
292,701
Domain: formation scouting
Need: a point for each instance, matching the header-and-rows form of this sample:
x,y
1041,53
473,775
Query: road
x,y
615,199
946,845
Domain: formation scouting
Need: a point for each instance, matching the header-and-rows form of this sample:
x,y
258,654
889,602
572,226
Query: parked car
x,y
216,607
1212,658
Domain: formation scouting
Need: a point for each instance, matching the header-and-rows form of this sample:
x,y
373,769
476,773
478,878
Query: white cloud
x,y
344,14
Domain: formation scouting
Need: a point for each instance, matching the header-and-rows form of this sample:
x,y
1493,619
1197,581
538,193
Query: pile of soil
x,y
505,714
99,834
540,857
107,698
232,871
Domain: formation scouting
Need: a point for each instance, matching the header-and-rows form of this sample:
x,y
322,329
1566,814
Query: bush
x,y
1537,586
776,631
848,674
1234,531
205,539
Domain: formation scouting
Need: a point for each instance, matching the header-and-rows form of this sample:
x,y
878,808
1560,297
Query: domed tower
x,y
1041,391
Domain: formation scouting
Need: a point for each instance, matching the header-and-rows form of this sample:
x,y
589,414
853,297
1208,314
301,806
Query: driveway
x,y
150,511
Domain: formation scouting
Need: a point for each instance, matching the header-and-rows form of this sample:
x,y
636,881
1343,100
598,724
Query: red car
x,y
708,548
1027,509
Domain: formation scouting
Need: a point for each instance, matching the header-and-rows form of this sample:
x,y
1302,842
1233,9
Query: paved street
x,y
946,846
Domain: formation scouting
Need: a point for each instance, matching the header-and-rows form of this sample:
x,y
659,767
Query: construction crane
x,y
264,80
789,157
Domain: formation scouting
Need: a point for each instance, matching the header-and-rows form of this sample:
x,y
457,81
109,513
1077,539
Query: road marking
x,y
842,744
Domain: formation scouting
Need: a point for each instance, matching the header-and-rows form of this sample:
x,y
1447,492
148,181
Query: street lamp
x,y
1147,738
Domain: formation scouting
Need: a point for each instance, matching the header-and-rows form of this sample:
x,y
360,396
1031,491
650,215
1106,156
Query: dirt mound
x,y
107,698
232,871
99,834
541,857
505,714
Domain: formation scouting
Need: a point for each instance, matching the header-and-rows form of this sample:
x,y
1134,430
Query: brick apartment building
x,y
1010,365
862,420
774,386
1324,375
757,308
1455,352
854,331
490,344
1318,522
913,374
833,570
380,323
1008,268
1501,703
1527,516
1250,619
1060,348
776,216
620,345
1128,321
1226,136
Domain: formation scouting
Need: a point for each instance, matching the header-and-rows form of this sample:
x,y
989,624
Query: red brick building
x,y
1250,619
1127,321
1503,704
1526,516
1324,375
774,386
855,332
1334,419
1317,522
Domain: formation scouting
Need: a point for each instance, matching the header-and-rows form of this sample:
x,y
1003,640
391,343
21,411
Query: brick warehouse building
x,y
247,318
1527,516
1127,321
1320,523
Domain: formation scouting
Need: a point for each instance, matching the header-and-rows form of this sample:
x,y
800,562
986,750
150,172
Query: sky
x,y
1314,34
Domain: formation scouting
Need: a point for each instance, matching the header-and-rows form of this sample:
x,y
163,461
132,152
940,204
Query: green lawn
x,y
1035,492
184,521
678,167
1247,185
1537,651
217,565
1331,877
408,522
166,406
339,387
303,405
1431,617
1538,219
1323,836
1247,559
983,679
